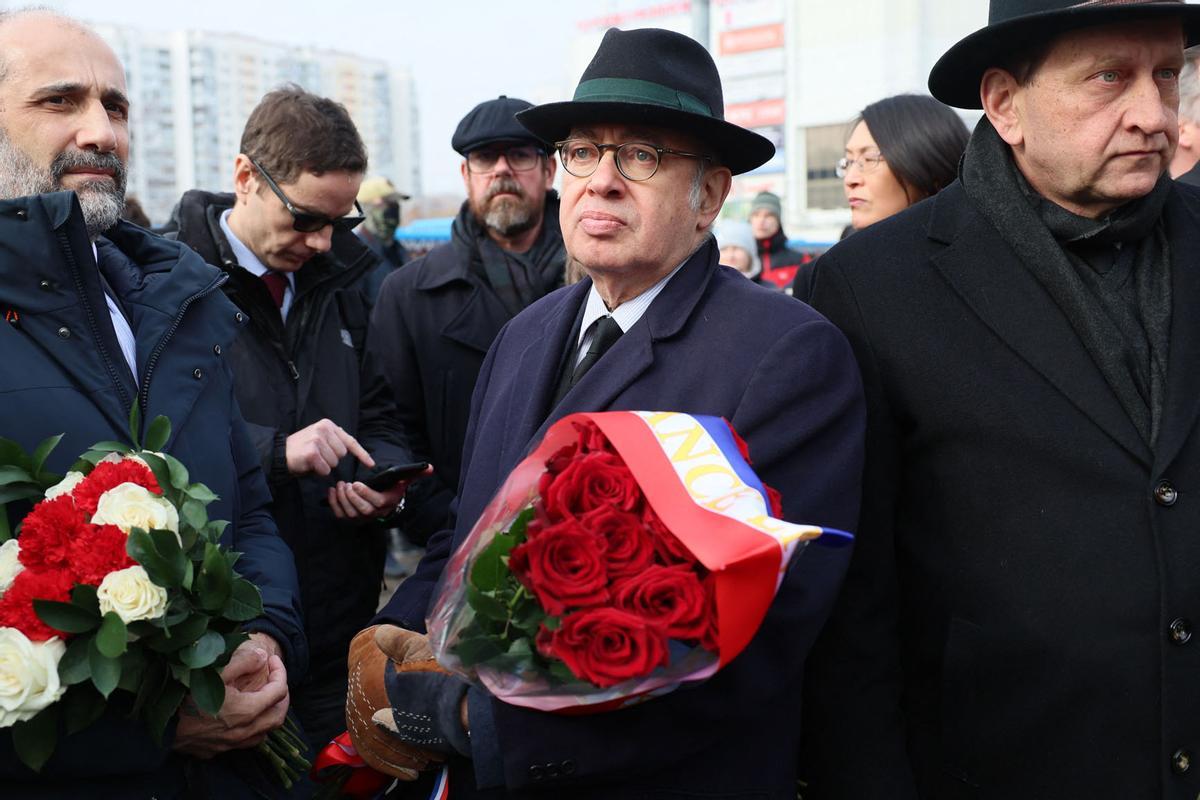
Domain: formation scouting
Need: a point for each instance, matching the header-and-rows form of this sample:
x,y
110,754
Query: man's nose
x,y
96,130
607,178
502,166
321,240
1149,110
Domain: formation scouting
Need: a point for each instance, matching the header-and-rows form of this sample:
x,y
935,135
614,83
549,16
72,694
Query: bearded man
x,y
101,314
435,319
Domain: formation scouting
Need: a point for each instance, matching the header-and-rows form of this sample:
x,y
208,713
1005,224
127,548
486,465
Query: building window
x,y
824,145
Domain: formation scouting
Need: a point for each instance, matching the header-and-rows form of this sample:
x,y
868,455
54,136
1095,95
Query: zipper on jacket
x,y
65,243
144,401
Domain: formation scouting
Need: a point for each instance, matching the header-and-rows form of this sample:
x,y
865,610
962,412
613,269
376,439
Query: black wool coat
x,y
1018,617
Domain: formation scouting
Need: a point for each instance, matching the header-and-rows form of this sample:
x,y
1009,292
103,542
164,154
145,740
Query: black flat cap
x,y
494,121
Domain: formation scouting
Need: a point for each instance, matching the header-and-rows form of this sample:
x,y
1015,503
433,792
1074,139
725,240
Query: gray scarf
x,y
1111,277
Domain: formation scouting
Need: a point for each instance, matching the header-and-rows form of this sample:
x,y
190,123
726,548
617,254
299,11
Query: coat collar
x,y
628,359
982,269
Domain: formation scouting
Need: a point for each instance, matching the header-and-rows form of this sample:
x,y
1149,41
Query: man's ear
x,y
466,176
551,168
1001,98
1187,134
714,188
245,177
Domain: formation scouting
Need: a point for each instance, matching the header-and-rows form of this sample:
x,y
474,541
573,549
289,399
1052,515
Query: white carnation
x,y
10,564
131,594
129,506
28,676
66,485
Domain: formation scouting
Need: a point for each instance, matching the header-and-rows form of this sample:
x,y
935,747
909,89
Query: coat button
x,y
239,317
217,349
46,286
1165,494
22,213
568,767
1180,631
552,770
536,773
197,374
1181,761
63,333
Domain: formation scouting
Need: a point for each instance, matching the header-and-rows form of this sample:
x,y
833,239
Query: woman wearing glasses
x,y
902,149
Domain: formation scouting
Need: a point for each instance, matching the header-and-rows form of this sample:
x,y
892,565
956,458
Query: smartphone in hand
x,y
385,480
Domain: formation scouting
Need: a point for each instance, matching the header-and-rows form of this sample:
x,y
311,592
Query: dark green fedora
x,y
1016,24
657,78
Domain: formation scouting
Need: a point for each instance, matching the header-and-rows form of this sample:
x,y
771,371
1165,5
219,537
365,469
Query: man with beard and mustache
x,y
317,406
101,314
435,319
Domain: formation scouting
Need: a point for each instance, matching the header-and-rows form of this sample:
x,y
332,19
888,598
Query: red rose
x,y
775,501
99,550
47,533
16,607
668,549
591,481
591,438
563,565
671,597
630,549
107,475
606,646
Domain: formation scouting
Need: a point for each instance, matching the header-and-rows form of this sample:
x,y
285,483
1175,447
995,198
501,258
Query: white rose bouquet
x,y
116,581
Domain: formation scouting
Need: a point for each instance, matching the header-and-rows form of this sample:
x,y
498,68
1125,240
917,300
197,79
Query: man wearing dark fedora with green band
x,y
1019,616
656,324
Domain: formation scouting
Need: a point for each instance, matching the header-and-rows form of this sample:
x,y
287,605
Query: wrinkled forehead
x,y
1160,41
37,50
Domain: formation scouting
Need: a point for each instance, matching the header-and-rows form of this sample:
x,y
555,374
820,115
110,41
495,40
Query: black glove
x,y
426,711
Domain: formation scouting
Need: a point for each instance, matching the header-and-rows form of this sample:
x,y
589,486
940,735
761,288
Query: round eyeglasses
x,y
865,163
637,161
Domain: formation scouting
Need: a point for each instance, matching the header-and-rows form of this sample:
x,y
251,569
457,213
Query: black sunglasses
x,y
305,221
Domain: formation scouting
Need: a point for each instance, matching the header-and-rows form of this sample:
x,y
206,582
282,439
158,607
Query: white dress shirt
x,y
125,337
625,314
248,261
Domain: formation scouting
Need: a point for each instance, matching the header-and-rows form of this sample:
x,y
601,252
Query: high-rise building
x,y
192,92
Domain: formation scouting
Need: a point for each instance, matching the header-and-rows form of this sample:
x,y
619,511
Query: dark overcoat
x,y
1018,617
698,349
62,372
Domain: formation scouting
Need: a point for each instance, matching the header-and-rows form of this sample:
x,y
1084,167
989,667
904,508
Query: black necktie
x,y
604,336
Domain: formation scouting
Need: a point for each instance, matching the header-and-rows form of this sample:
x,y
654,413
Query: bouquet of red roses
x,y
630,552
116,582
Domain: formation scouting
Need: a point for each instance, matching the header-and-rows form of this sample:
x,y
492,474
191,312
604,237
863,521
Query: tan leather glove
x,y
366,695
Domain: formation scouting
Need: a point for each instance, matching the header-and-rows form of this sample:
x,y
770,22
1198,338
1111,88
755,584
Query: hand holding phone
x,y
392,475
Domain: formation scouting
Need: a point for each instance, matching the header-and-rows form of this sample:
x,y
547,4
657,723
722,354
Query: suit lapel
x,y
478,321
986,274
1182,401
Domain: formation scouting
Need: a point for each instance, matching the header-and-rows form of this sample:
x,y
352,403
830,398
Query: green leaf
x,y
181,673
485,573
154,680
34,739
245,602
5,530
10,474
180,635
162,475
111,447
66,617
204,651
198,491
112,637
133,670
159,553
84,596
193,514
162,707
135,423
214,529
13,453
21,491
82,706
485,605
74,668
520,525
214,583
179,473
42,452
189,569
157,434
562,673
208,690
106,672
91,458
477,650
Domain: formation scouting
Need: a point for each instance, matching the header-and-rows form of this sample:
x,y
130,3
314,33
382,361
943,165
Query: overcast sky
x,y
460,51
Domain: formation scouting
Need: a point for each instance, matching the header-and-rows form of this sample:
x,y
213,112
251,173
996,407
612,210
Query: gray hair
x,y
1189,87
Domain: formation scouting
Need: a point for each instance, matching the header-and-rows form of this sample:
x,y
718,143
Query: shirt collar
x,y
625,314
244,255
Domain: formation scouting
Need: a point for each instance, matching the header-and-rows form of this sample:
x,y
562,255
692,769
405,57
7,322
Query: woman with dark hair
x,y
901,149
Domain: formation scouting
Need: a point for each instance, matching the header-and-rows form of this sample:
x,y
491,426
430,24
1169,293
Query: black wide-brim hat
x,y
656,78
1014,24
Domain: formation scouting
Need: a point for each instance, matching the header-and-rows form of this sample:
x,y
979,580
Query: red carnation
x,y
108,475
629,547
590,481
99,550
563,565
16,607
47,533
667,547
670,597
606,646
